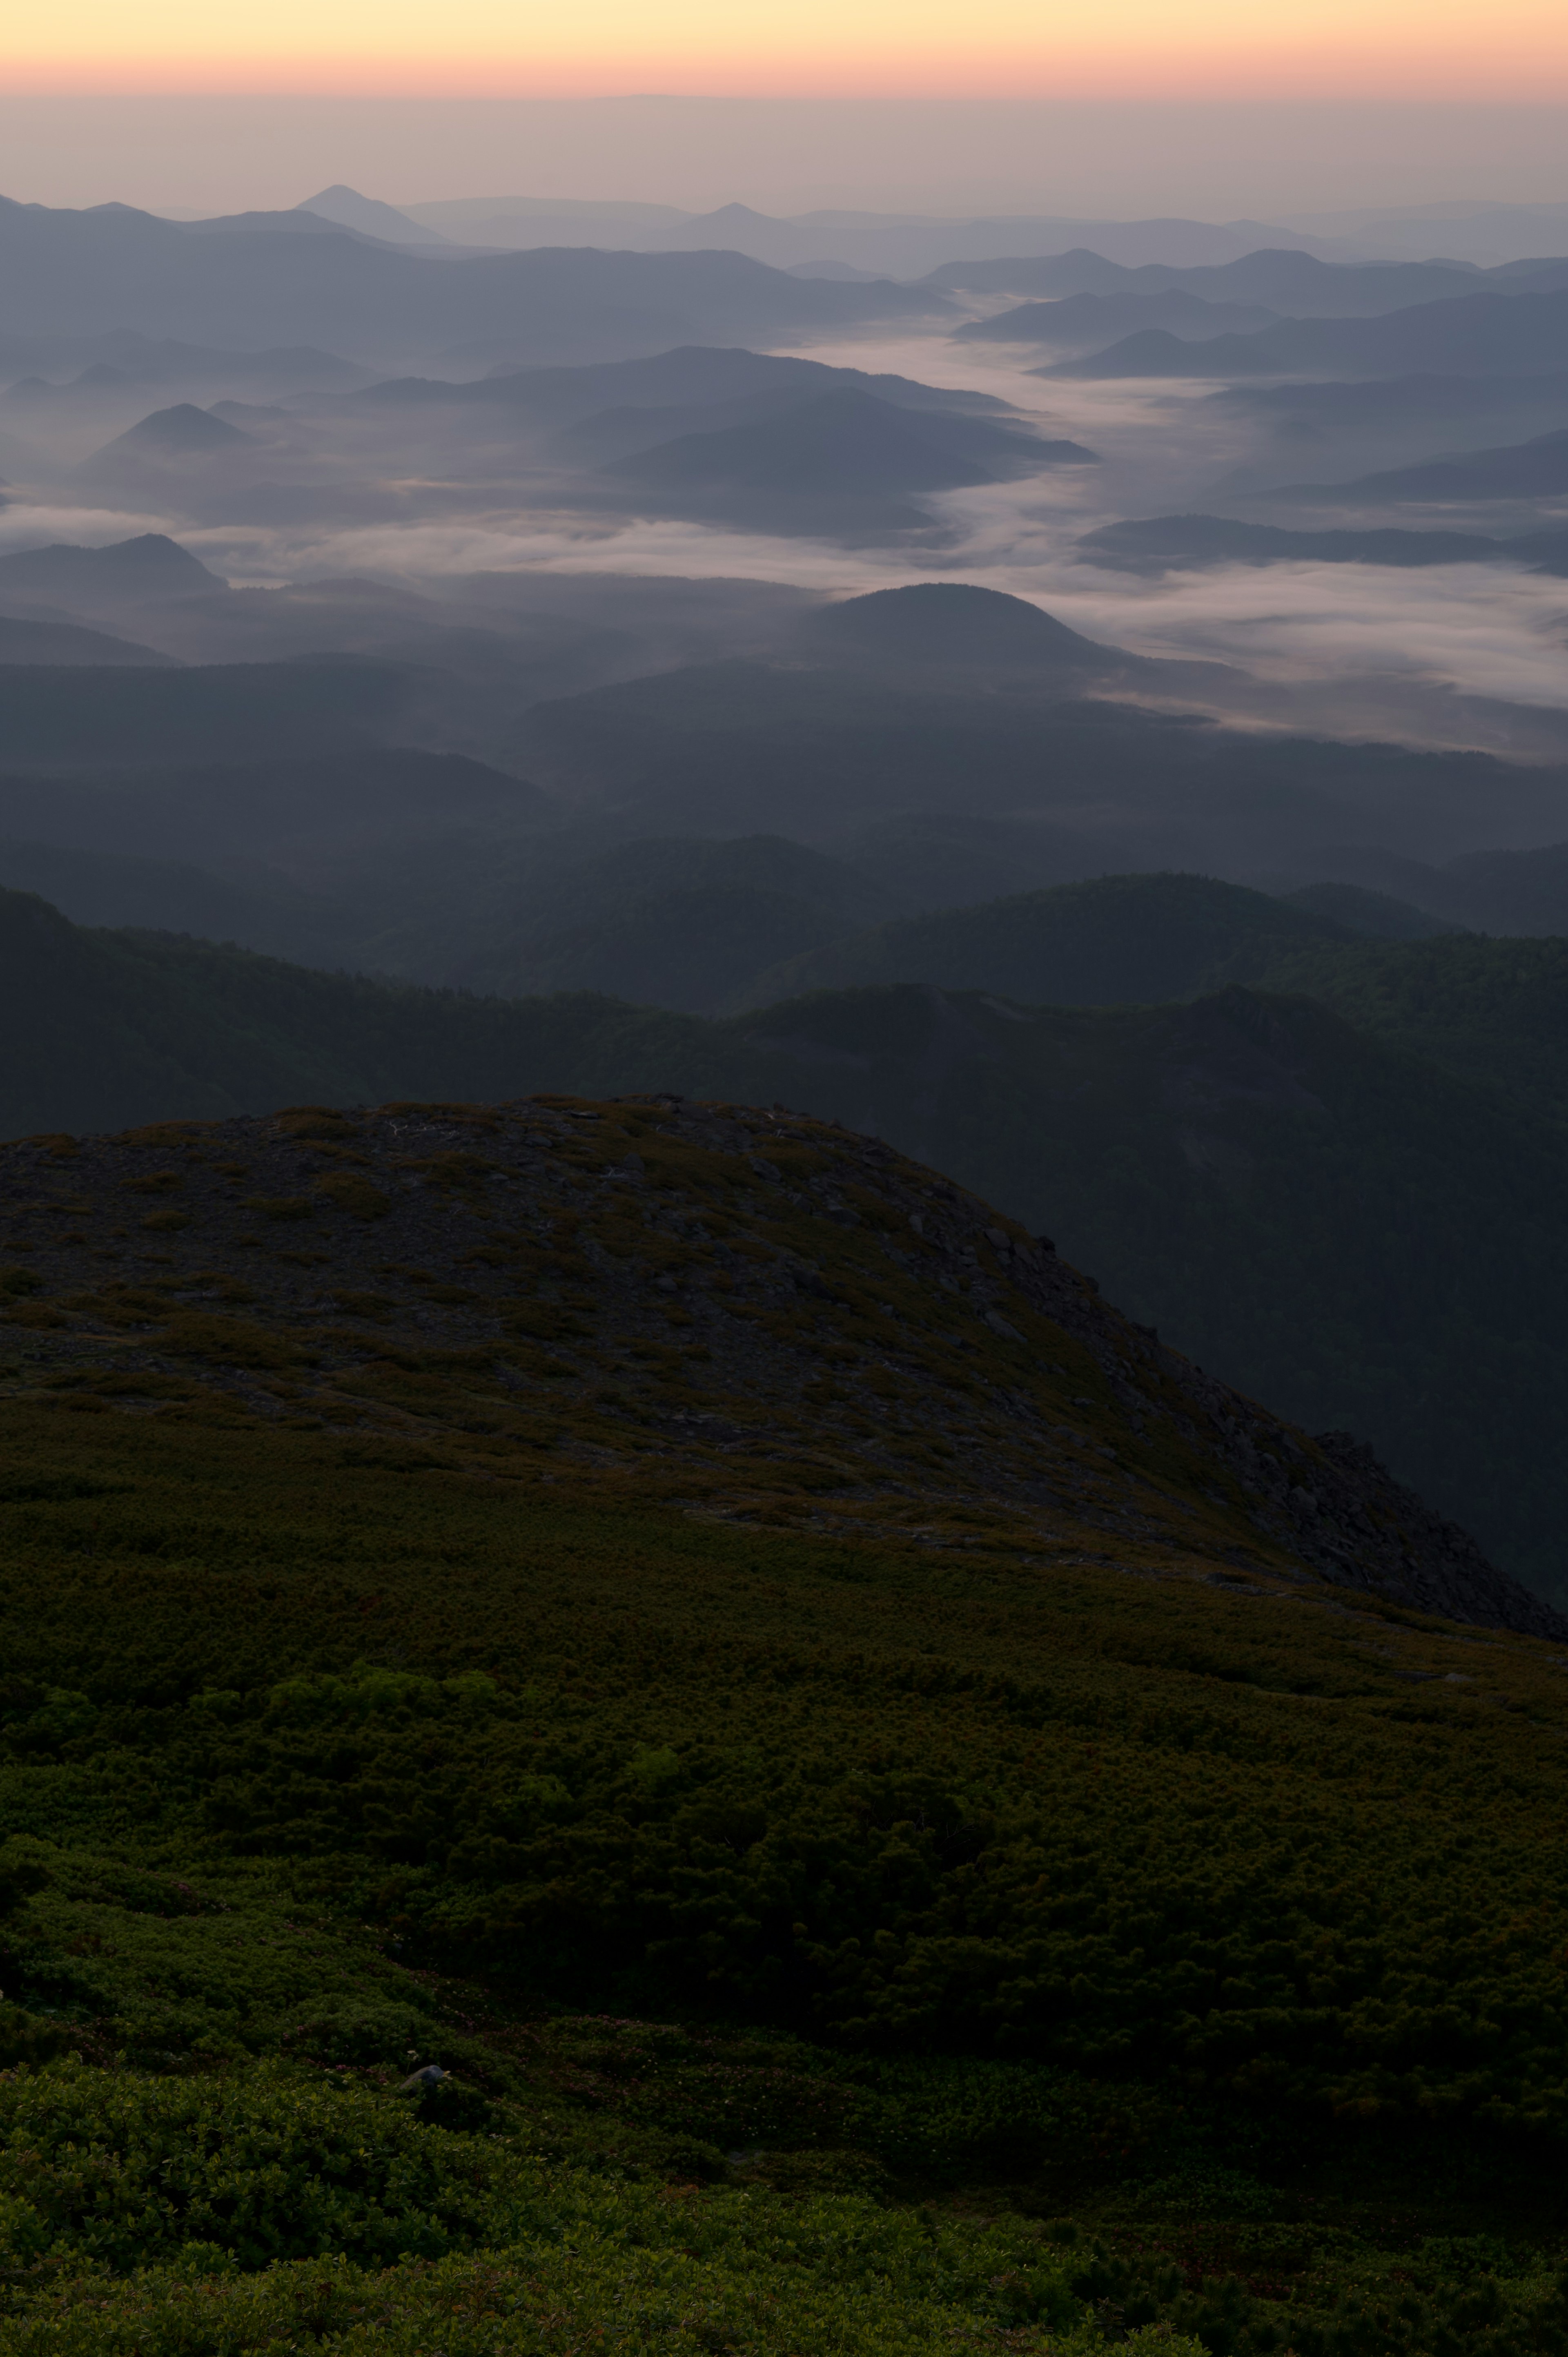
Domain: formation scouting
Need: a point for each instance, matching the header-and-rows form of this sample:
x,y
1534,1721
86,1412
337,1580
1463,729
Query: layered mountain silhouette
x,y
170,439
55,719
368,215
197,801
689,377
1299,284
1477,335
1516,470
121,362
951,625
295,278
146,569
1089,321
901,246
27,641
845,458
1161,544
1119,940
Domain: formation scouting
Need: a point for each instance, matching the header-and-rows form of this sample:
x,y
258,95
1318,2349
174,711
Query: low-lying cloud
x,y
1418,647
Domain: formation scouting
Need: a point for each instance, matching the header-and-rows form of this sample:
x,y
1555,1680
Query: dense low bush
x,y
924,1902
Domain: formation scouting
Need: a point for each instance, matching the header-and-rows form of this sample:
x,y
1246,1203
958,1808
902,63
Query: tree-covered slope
x,y
1127,939
1496,1011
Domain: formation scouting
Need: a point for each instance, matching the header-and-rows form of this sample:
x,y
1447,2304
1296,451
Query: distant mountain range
x,y
25,641
839,463
1516,470
688,377
147,568
181,432
1164,543
1484,233
1301,286
1088,322
373,218
1473,335
779,743
901,246
258,279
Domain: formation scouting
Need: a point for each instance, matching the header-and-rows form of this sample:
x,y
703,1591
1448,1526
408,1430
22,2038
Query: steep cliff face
x,y
758,1316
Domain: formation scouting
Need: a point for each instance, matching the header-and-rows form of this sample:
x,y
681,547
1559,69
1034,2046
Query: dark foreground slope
x,y
525,1252
467,1563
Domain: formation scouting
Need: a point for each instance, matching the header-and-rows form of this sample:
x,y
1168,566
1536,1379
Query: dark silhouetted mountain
x,y
1299,285
1091,321
1544,552
1247,1167
1519,471
1400,405
1492,1012
170,438
815,748
350,209
614,434
282,808
692,376
1118,940
35,399
181,429
846,271
1164,543
55,719
949,859
1478,335
122,360
294,278
263,221
902,246
1484,233
27,642
1512,891
1076,272
124,571
675,925
103,887
682,923
842,460
1377,913
953,625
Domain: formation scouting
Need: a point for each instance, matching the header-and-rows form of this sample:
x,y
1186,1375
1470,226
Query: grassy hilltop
x,y
909,1816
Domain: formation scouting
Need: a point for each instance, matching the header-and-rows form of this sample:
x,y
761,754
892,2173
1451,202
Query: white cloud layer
x,y
1474,631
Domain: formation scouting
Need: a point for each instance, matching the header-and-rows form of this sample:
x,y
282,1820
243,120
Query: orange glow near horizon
x,y
1430,49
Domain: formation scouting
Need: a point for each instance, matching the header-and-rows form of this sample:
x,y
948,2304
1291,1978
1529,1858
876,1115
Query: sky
x,y
1167,49
1213,108
1263,157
